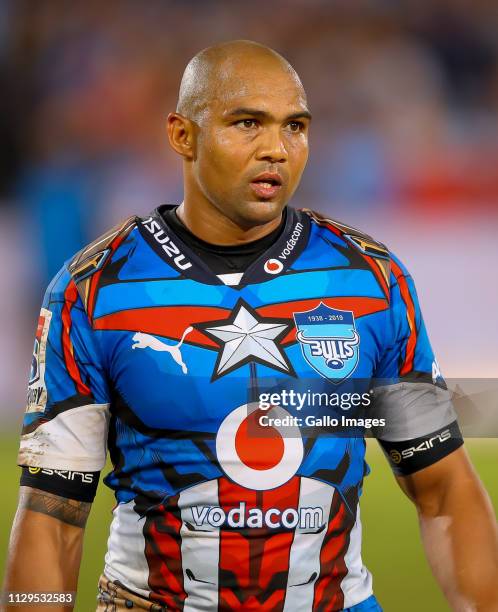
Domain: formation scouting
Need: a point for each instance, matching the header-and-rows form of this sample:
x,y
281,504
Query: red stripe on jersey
x,y
164,556
95,279
254,562
410,315
359,305
169,321
70,298
375,269
328,594
276,555
378,274
235,549
330,227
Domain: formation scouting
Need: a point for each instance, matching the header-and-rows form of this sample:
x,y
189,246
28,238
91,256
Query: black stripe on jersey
x,y
409,456
120,409
54,409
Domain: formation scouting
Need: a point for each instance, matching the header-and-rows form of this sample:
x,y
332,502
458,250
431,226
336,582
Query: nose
x,y
272,147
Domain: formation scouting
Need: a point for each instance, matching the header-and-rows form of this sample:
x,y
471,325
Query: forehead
x,y
255,84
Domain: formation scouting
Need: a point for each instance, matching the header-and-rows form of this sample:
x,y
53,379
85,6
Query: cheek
x,y
298,156
220,160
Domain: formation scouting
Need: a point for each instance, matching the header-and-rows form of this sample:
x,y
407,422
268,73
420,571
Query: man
x,y
159,338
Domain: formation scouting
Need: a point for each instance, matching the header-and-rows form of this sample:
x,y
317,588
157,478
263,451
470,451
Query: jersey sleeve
x,y
67,413
410,394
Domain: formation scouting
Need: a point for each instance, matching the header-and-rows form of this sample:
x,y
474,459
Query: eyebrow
x,y
254,112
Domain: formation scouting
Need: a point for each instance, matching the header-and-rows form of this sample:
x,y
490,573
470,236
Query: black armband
x,y
409,456
81,486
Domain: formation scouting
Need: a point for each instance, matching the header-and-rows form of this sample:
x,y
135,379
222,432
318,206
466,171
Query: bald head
x,y
227,69
241,127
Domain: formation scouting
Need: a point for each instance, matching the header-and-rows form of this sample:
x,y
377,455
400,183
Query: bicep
x,y
430,488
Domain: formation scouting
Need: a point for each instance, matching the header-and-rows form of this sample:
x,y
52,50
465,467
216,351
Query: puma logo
x,y
146,340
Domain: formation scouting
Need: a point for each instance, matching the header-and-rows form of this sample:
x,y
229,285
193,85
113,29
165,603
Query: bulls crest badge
x,y
329,341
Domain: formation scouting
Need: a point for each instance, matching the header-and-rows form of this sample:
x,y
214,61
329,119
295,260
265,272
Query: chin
x,y
259,212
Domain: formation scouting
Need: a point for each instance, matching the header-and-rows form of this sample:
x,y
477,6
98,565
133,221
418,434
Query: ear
x,y
181,135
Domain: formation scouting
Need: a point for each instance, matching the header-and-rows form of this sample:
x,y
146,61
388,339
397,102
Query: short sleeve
x,y
409,392
67,413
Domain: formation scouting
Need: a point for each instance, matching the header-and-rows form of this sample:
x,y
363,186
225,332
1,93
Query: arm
x,y
64,430
459,531
45,545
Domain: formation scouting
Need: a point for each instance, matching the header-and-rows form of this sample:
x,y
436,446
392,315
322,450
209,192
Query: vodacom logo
x,y
258,456
273,266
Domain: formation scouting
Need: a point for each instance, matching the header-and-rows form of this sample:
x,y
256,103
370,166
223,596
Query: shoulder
x,y
351,235
86,267
365,250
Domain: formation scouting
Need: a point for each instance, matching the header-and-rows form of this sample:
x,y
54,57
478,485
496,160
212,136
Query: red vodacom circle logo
x,y
273,266
258,456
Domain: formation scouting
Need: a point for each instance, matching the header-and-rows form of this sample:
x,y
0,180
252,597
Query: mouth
x,y
267,185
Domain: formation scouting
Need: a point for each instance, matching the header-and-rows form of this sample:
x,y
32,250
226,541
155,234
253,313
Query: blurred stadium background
x,y
404,145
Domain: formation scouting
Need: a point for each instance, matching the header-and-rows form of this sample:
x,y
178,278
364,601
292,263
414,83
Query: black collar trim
x,y
274,261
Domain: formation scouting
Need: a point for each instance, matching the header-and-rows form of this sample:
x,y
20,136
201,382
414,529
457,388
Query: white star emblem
x,y
246,338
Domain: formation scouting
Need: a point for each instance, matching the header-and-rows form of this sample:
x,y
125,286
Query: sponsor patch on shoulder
x,y
37,391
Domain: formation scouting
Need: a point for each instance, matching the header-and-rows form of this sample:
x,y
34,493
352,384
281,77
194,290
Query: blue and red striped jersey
x,y
220,399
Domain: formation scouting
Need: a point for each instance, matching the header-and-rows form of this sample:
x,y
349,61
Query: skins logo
x,y
37,391
329,341
426,445
86,477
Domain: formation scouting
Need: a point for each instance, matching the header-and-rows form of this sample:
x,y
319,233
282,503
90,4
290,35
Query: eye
x,y
295,126
247,123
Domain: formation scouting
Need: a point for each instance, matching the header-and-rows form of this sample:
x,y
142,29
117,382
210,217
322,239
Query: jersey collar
x,y
274,261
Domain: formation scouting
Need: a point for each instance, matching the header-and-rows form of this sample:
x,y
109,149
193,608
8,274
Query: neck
x,y
209,224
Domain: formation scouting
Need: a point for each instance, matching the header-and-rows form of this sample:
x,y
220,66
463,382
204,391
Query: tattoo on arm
x,y
68,511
